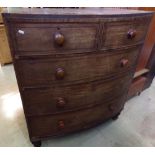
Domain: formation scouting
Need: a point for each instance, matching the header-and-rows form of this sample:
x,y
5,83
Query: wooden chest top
x,y
73,11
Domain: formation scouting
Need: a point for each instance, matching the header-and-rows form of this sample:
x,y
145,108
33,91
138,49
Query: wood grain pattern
x,y
74,12
79,78
40,37
116,34
79,68
41,127
44,101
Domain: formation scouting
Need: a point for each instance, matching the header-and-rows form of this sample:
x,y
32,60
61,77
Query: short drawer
x,y
63,70
68,98
49,38
54,125
126,33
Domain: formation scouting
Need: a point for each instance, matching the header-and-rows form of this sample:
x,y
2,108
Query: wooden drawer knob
x,y
131,34
61,125
59,38
60,73
61,102
124,62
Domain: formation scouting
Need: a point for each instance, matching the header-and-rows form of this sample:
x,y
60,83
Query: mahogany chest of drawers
x,y
73,66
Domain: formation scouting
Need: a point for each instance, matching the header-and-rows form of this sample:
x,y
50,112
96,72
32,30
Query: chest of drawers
x,y
73,66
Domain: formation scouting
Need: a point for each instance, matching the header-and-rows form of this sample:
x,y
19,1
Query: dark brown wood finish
x,y
55,37
124,33
73,66
77,68
53,100
42,127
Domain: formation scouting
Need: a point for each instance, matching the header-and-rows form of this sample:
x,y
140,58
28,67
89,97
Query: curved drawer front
x,y
127,33
68,98
70,122
37,38
75,69
73,66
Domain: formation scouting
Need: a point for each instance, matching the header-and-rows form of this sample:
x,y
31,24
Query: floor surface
x,y
135,126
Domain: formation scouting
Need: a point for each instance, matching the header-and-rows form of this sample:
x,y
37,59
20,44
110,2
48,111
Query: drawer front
x,y
48,38
69,122
124,33
68,98
74,69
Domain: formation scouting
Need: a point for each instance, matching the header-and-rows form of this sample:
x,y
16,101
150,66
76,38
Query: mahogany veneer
x,y
73,66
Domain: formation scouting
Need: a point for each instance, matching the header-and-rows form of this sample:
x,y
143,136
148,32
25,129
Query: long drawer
x,y
68,98
40,38
54,125
62,70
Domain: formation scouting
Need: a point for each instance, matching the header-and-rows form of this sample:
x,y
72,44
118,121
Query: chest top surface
x,y
74,11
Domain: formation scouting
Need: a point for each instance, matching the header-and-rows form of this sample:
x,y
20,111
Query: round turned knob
x,y
61,125
59,38
131,34
61,102
124,62
60,73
